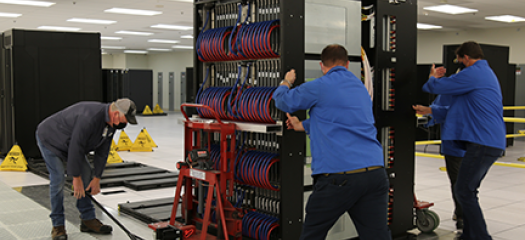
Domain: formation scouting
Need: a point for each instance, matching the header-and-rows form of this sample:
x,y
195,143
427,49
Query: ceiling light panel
x,y
427,26
133,11
163,41
56,28
506,18
172,27
112,47
186,36
450,9
111,38
135,33
182,47
136,51
159,49
28,3
10,15
93,21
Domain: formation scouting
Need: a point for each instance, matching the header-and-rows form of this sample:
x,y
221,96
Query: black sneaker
x,y
459,224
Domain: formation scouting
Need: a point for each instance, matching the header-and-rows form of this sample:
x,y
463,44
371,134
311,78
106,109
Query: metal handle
x,y
198,106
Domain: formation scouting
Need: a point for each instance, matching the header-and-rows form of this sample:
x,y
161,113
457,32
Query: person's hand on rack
x,y
293,123
289,78
422,109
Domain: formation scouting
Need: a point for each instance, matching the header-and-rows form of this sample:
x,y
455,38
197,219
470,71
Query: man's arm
x,y
456,84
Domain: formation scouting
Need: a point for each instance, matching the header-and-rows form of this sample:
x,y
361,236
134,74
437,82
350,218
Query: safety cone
x,y
124,143
14,161
113,157
141,143
158,110
147,111
150,140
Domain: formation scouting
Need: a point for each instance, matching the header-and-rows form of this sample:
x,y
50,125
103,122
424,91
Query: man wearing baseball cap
x,y
67,137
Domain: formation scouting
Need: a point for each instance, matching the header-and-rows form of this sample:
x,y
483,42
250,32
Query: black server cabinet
x,y
137,85
191,91
43,73
390,43
498,59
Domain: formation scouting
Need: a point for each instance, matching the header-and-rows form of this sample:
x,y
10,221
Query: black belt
x,y
355,171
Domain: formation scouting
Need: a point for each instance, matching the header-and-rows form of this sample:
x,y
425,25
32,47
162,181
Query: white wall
x,y
169,62
107,61
137,61
430,43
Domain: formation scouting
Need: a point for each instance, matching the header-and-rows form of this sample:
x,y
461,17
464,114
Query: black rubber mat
x,y
115,182
123,172
150,211
151,184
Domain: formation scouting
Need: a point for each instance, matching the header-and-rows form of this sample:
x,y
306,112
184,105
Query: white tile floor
x,y
502,193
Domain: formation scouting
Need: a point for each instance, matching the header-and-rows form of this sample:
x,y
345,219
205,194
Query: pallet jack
x,y
205,207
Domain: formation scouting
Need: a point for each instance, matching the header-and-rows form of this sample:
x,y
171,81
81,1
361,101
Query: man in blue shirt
x,y
347,160
67,137
449,148
475,119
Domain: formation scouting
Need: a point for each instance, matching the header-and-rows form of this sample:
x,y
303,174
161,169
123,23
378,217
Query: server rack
x,y
134,84
44,72
390,42
391,117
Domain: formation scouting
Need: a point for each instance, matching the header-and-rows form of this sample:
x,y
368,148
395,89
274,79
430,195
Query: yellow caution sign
x,y
113,146
444,169
521,159
141,143
150,140
113,157
147,111
124,143
14,161
157,110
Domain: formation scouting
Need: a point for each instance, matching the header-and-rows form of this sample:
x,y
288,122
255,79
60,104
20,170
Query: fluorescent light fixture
x,y
163,41
55,28
189,1
132,11
112,47
172,27
94,21
159,49
427,26
506,18
136,51
28,2
135,33
111,38
182,46
186,36
450,9
10,15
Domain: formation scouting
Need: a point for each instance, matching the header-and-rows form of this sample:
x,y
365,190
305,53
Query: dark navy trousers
x,y
364,196
475,164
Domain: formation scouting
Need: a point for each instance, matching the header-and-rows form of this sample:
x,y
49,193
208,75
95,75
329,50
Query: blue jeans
x,y
364,196
56,187
476,163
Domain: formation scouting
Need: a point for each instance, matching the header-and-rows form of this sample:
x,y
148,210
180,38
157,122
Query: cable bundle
x,y
255,41
253,168
258,226
254,105
247,41
216,98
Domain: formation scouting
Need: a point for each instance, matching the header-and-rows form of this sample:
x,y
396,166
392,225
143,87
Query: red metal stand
x,y
219,183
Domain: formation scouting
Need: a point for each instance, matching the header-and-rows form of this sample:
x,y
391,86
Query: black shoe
x,y
459,224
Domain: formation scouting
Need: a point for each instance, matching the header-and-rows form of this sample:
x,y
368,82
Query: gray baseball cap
x,y
128,108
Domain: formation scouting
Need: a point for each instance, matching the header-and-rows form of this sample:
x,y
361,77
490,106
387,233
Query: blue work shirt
x,y
439,113
476,113
341,125
77,130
